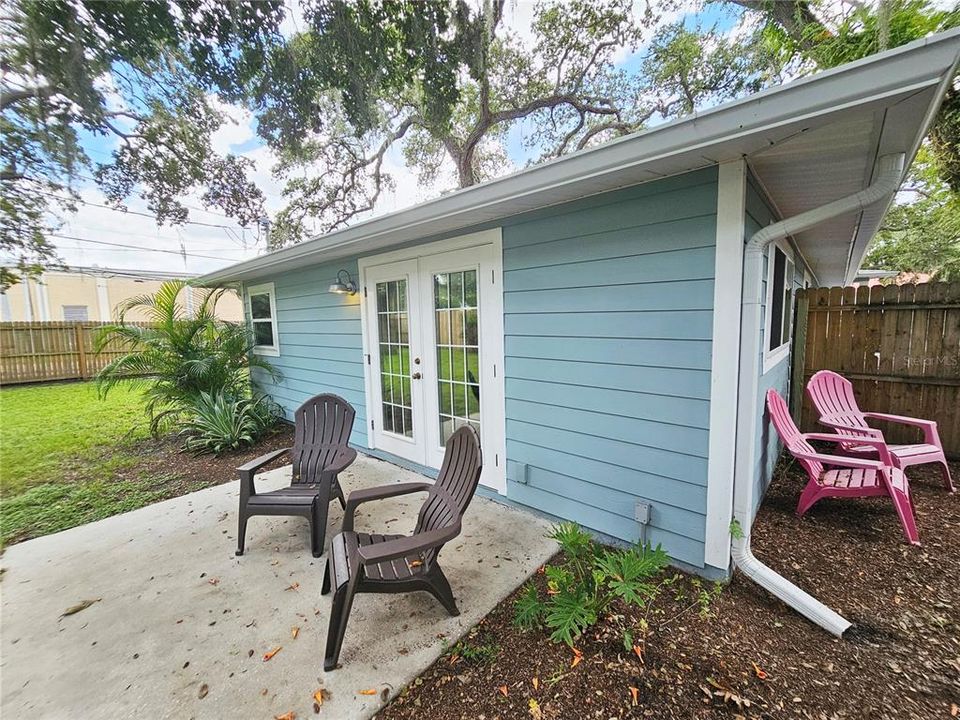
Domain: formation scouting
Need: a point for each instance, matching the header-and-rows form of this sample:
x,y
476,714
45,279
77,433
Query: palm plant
x,y
178,356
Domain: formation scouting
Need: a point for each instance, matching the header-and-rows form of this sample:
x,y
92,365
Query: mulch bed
x,y
752,656
171,471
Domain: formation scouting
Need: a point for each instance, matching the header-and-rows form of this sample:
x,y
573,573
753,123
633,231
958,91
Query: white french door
x,y
433,332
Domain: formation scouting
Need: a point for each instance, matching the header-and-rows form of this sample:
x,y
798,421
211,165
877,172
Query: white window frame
x,y
264,289
772,358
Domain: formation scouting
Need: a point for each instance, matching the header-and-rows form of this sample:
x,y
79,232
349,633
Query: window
x,y
779,315
263,319
75,313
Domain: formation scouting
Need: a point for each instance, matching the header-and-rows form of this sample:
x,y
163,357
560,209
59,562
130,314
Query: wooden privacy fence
x,y
44,351
898,345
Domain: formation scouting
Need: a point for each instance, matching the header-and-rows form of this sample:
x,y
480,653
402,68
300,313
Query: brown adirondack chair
x,y
320,452
367,562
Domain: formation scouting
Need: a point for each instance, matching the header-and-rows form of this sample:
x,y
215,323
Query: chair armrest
x,y
902,419
877,444
406,546
839,460
378,493
929,427
341,461
259,462
247,471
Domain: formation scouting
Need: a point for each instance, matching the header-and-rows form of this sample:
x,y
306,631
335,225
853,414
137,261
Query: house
x,y
609,320
93,294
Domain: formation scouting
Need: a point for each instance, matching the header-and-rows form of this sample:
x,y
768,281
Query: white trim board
x,y
494,433
269,290
725,360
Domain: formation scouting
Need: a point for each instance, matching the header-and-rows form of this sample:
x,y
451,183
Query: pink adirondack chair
x,y
842,475
832,396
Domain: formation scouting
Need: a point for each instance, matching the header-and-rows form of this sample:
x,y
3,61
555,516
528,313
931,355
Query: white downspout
x,y
886,182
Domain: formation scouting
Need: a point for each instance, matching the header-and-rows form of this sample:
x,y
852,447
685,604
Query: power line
x,y
134,247
74,226
129,212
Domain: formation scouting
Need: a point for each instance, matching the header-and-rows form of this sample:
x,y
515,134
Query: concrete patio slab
x,y
176,611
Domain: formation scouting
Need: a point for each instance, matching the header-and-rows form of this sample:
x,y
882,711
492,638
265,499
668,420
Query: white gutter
x,y
886,181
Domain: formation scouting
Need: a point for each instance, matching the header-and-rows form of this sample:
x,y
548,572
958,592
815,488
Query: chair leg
x,y
325,588
439,587
904,507
947,480
339,614
809,496
338,491
242,530
318,523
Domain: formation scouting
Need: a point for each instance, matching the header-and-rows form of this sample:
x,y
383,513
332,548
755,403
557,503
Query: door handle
x,y
416,376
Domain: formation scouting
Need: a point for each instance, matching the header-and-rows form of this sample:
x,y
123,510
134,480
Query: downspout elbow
x,y
886,182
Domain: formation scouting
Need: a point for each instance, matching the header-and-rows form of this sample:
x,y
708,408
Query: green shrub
x,y
217,422
179,355
582,588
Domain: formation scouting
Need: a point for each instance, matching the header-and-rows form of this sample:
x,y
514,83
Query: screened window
x,y
263,319
779,304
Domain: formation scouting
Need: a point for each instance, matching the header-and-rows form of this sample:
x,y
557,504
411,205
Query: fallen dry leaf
x,y
82,605
638,651
536,683
760,673
273,652
286,716
415,563
369,691
204,689
293,586
503,690
294,631
577,657
633,694
535,709
384,694
264,691
319,696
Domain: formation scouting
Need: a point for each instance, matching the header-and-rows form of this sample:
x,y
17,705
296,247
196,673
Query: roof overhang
x,y
807,142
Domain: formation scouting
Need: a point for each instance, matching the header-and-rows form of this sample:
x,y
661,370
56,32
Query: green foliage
x,y
218,422
922,235
179,356
584,586
475,649
736,530
140,73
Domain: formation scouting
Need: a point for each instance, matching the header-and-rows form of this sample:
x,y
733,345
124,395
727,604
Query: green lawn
x,y
60,447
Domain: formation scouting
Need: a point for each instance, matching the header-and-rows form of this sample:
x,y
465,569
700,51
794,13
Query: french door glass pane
x,y
393,325
456,310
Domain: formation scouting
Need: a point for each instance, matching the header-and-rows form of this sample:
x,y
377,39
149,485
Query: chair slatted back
x,y
458,479
832,394
323,426
790,434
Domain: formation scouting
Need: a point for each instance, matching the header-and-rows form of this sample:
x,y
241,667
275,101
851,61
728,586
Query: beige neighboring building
x,y
93,294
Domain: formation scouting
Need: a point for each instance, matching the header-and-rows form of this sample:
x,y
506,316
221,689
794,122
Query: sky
x,y
211,240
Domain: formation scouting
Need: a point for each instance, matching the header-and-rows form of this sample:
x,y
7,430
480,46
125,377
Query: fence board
x,y
898,345
46,351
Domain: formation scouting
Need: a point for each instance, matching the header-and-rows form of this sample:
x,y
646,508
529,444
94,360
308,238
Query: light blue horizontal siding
x,y
608,318
608,313
320,343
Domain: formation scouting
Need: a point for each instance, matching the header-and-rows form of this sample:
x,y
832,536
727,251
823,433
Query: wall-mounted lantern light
x,y
344,284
